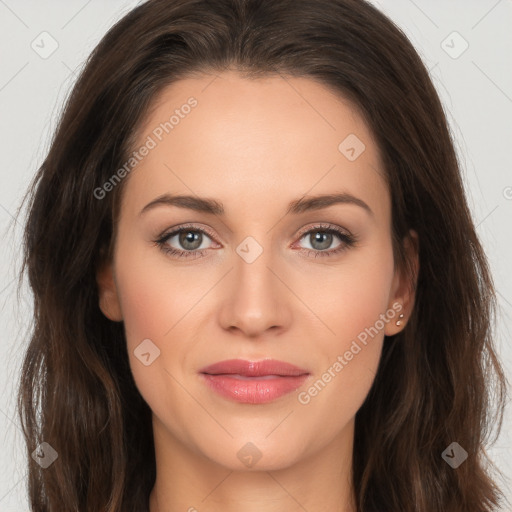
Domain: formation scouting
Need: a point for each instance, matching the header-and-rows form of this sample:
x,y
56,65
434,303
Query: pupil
x,y
327,239
189,237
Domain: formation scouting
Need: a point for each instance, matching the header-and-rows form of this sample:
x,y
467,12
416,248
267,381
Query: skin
x,y
254,145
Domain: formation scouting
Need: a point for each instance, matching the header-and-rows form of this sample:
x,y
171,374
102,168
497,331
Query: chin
x,y
255,455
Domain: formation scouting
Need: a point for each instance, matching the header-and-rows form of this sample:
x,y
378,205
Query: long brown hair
x,y
437,378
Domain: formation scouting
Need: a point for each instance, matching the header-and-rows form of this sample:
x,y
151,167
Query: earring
x,y
399,322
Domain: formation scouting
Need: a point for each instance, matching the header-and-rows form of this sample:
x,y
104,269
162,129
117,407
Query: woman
x,y
249,370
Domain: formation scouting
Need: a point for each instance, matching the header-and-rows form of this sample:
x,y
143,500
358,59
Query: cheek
x,y
351,298
155,298
354,306
154,306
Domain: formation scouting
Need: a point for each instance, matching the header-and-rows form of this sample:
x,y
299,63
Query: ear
x,y
404,286
107,292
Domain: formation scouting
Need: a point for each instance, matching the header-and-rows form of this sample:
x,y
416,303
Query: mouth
x,y
253,382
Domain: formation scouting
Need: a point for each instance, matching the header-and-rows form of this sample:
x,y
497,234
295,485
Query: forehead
x,y
268,139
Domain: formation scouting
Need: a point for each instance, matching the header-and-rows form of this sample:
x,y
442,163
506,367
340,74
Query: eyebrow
x,y
306,203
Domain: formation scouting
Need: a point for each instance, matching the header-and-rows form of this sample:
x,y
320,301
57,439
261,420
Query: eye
x,y
321,238
191,239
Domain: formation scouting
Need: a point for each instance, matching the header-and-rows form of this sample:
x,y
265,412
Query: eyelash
x,y
348,240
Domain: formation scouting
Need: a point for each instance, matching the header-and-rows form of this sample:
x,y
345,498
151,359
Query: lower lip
x,y
253,390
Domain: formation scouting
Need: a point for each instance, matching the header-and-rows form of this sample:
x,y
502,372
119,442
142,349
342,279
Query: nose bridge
x,y
256,300
252,267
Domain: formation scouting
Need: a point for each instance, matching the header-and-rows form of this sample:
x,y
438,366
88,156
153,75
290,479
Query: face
x,y
254,274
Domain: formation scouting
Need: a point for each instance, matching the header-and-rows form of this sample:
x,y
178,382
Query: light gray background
x,y
475,87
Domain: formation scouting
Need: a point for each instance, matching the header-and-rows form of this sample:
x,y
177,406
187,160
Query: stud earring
x,y
399,322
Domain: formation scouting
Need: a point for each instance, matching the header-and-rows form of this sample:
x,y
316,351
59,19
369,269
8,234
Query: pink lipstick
x,y
254,382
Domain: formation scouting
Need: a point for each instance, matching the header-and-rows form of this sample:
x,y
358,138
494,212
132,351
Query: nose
x,y
255,299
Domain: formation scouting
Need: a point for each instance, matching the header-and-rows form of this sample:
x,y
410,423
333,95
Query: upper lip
x,y
253,368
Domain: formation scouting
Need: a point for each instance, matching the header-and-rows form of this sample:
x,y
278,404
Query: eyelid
x,y
320,226
182,227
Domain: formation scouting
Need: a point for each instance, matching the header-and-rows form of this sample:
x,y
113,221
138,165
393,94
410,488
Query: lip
x,y
254,382
254,368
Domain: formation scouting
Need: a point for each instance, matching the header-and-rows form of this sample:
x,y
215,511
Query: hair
x,y
437,378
